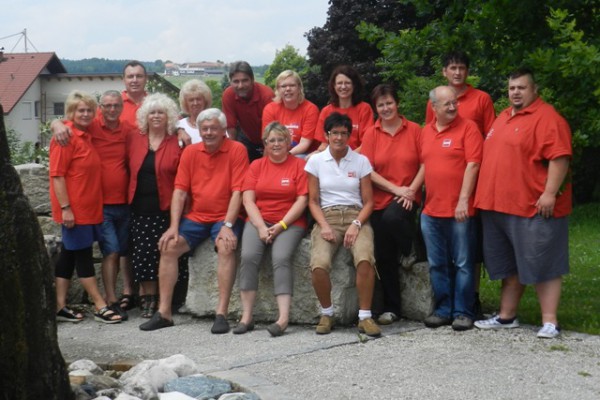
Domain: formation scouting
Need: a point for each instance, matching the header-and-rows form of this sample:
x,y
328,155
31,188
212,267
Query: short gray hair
x,y
212,113
158,101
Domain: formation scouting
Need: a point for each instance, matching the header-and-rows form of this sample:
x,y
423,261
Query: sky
x,y
148,30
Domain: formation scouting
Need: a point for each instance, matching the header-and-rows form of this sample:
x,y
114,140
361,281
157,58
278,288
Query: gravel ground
x,y
407,362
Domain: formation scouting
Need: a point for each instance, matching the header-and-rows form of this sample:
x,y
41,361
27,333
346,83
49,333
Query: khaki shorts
x,y
340,218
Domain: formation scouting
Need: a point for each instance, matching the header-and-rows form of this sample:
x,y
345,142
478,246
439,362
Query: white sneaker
x,y
493,323
548,331
387,318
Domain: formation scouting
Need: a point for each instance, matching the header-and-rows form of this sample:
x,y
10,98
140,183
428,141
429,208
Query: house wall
x,y
23,117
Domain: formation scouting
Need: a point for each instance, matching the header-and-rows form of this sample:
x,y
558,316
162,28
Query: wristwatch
x,y
228,224
357,223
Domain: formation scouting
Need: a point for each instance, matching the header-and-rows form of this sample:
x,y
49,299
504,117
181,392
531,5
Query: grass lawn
x,y
579,308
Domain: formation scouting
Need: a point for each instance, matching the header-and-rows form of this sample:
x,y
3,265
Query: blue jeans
x,y
451,256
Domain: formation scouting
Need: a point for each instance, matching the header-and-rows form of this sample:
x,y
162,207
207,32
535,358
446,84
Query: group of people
x,y
255,173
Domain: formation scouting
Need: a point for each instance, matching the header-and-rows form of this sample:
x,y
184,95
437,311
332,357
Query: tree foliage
x,y
558,39
103,66
338,42
286,58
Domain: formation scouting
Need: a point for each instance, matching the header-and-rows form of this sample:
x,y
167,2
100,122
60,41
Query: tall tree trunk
x,y
31,365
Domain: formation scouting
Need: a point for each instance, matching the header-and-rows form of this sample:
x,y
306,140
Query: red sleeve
x,y
366,120
489,114
367,147
302,186
251,176
473,143
320,130
268,115
310,121
60,158
182,179
239,167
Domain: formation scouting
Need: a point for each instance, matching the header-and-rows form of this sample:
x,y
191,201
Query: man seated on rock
x,y
210,174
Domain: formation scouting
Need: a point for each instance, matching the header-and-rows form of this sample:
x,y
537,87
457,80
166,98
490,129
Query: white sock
x,y
364,314
327,311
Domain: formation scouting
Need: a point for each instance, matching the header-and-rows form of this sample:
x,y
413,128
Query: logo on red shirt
x,y
285,181
446,142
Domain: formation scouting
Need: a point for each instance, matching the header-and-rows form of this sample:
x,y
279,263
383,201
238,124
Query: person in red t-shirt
x,y
525,197
451,149
476,105
392,146
275,197
291,109
243,103
75,194
346,90
210,176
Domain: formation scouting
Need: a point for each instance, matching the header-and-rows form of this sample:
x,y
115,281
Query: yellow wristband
x,y
283,225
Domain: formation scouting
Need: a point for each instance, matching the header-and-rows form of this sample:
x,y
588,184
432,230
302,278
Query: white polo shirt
x,y
339,185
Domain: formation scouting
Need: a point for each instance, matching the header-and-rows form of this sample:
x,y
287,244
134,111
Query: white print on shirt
x,y
489,134
446,142
285,181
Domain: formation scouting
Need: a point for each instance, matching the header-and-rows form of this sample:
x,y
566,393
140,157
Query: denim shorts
x,y
194,233
115,229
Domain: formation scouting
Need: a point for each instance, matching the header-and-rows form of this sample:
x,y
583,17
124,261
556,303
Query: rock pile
x,y
172,378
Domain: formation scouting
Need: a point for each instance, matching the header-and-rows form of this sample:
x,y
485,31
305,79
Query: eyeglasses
x,y
276,140
338,133
109,106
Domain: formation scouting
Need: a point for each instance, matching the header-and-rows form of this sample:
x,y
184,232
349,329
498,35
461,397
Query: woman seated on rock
x,y
275,197
153,159
76,197
341,201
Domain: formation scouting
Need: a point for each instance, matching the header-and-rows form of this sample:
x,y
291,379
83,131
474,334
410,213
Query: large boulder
x,y
36,185
31,365
202,295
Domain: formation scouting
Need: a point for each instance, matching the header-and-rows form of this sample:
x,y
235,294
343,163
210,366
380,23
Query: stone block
x,y
203,294
36,186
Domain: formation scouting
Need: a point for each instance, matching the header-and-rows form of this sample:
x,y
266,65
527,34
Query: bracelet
x,y
65,206
283,225
357,223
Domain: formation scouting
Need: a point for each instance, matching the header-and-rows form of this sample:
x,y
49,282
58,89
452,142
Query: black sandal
x,y
150,302
107,316
67,315
127,302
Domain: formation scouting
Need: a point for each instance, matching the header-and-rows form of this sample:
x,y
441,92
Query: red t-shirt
x,y
445,155
79,163
210,179
473,104
130,108
396,158
515,161
247,113
277,186
361,116
165,165
301,122
111,146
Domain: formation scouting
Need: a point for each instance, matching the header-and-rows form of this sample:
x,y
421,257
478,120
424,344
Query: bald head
x,y
444,104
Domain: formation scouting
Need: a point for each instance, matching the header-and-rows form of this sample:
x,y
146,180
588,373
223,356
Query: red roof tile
x,y
18,71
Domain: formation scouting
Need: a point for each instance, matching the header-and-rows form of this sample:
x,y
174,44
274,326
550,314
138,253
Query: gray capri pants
x,y
282,250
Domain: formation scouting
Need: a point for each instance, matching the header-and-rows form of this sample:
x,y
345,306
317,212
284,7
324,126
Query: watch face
x,y
228,224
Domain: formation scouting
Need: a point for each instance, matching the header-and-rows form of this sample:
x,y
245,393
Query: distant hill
x,y
104,66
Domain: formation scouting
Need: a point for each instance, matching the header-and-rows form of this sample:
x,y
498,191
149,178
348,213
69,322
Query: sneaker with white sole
x,y
387,318
494,323
548,331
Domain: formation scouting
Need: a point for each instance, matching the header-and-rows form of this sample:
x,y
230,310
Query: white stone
x,y
159,375
140,386
125,396
182,365
174,396
138,369
87,365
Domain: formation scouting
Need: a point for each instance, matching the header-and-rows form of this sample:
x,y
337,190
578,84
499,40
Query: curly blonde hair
x,y
158,101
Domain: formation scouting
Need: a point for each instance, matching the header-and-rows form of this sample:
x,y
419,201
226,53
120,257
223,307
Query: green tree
x,y
286,58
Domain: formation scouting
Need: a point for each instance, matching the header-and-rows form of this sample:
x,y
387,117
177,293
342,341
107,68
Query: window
x,y
38,109
59,109
27,109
